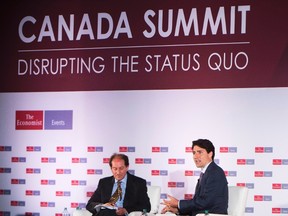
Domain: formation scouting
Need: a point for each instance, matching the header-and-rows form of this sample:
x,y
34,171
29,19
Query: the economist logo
x,y
188,196
89,193
155,172
172,184
29,120
155,149
189,173
172,161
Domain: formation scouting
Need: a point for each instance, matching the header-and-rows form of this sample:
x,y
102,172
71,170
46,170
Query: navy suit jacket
x,y
211,193
136,197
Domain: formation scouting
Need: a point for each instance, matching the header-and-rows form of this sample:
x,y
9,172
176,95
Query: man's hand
x,y
173,202
121,211
170,205
169,209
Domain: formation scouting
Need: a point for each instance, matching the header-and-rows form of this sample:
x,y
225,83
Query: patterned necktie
x,y
117,194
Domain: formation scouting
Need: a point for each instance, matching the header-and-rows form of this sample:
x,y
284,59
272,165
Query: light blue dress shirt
x,y
119,202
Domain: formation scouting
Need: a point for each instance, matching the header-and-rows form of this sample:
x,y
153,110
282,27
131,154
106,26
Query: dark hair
x,y
205,144
119,156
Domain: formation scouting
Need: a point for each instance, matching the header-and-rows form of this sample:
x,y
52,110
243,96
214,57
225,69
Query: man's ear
x,y
210,154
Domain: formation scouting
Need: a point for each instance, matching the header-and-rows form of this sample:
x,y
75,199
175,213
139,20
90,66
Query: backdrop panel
x,y
44,170
81,80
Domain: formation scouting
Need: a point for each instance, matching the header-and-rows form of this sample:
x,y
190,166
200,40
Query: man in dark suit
x,y
133,196
211,193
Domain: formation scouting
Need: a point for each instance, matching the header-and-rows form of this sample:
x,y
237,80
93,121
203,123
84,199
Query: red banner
x,y
135,45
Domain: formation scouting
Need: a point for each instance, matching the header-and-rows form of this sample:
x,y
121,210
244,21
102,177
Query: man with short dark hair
x,y
121,193
211,194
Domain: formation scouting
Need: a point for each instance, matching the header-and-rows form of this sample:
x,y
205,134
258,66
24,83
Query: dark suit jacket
x,y
136,197
211,193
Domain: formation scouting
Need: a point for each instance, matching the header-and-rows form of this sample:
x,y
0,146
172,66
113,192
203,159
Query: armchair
x,y
81,212
154,193
236,203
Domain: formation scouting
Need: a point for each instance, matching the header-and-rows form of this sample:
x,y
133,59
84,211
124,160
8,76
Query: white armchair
x,y
236,203
154,193
81,212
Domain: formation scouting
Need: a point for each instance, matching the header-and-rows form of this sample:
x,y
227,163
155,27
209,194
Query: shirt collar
x,y
203,170
123,181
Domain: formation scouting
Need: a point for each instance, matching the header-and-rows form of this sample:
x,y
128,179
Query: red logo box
x,y
276,210
14,203
139,160
172,184
89,193
15,159
106,160
224,149
14,181
74,205
29,170
74,182
259,149
155,172
44,182
241,161
258,173
59,171
44,204
59,193
155,149
189,173
60,149
188,196
75,160
188,149
277,161
29,120
44,160
90,171
172,161
30,148
258,198
276,186
29,192
91,149
123,149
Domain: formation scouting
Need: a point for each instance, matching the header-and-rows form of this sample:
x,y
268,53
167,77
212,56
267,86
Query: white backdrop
x,y
237,121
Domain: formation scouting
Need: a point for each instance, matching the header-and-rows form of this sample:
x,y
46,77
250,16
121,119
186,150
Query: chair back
x,y
154,193
237,200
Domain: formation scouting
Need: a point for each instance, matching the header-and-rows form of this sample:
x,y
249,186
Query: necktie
x,y
201,175
198,183
117,194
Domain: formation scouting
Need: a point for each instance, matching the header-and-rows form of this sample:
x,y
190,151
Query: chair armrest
x,y
81,212
135,213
